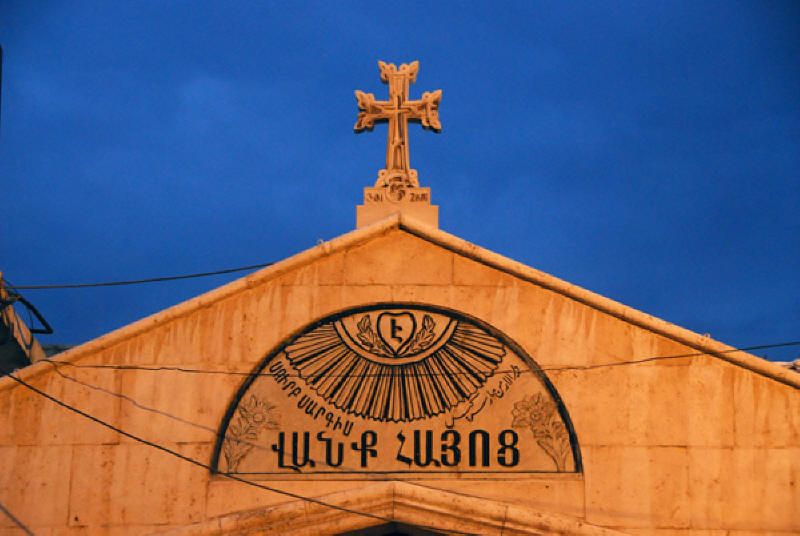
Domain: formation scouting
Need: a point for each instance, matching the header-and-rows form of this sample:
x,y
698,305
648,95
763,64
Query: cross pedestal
x,y
380,202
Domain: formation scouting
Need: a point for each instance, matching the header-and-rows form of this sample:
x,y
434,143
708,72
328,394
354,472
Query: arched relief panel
x,y
397,388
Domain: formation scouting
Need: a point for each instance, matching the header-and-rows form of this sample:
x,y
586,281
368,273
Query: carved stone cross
x,y
398,111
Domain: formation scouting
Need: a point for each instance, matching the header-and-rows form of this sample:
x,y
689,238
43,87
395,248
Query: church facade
x,y
400,380
521,404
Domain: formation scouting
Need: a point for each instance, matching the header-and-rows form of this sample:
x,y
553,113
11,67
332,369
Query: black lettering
x,y
348,427
428,458
400,456
304,459
484,435
368,440
329,451
395,329
280,449
454,439
507,447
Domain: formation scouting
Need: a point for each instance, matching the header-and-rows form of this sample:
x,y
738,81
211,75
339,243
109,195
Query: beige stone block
x,y
637,486
226,495
174,338
441,512
7,435
617,341
440,295
529,325
302,305
767,412
672,353
106,529
497,306
398,258
142,349
297,304
333,299
26,413
672,532
189,405
212,334
261,330
711,407
658,404
745,489
473,273
643,404
567,331
421,212
34,484
555,495
35,420
323,271
92,530
758,533
135,484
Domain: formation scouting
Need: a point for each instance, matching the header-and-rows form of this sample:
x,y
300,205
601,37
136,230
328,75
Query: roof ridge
x,y
455,244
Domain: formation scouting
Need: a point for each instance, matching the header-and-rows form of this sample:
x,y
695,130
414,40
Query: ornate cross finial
x,y
398,111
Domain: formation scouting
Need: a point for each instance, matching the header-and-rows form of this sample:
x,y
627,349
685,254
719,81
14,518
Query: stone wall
x,y
691,445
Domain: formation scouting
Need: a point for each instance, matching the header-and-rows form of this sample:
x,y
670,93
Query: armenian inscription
x,y
396,388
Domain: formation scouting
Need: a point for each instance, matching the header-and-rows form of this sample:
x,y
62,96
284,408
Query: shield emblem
x,y
396,329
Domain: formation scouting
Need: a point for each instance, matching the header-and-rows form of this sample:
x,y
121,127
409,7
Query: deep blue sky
x,y
648,151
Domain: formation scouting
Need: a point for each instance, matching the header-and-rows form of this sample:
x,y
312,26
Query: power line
x,y
203,465
181,420
217,433
25,529
166,368
138,281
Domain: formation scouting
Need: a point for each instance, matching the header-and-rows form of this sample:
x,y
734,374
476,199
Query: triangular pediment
x,y
377,240
174,381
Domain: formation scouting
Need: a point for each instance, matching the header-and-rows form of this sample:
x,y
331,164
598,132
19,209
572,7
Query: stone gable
x,y
707,441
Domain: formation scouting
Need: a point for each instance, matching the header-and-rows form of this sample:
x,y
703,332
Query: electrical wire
x,y
376,477
214,431
163,368
139,281
217,433
199,426
24,529
205,466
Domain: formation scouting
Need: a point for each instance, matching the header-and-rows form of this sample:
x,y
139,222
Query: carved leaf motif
x,y
365,120
540,415
252,416
410,69
367,336
423,337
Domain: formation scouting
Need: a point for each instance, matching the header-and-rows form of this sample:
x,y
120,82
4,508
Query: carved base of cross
x,y
383,201
388,178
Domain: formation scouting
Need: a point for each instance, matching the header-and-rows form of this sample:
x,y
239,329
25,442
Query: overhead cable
x,y
16,521
168,368
138,281
203,465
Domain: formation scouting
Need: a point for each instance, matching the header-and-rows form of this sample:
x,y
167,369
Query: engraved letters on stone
x,y
396,388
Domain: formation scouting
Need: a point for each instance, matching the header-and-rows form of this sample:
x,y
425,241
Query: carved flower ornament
x,y
252,417
540,415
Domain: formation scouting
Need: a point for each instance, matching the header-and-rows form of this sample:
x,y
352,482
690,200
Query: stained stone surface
x,y
398,388
692,445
